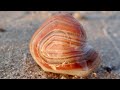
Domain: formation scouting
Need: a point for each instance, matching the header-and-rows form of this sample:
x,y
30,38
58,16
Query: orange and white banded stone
x,y
59,46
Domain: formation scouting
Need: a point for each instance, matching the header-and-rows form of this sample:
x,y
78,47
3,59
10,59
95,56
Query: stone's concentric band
x,y
59,46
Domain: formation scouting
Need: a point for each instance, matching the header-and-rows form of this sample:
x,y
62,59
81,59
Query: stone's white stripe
x,y
56,34
56,21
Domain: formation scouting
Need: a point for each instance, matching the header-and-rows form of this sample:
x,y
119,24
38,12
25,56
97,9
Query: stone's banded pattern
x,y
60,44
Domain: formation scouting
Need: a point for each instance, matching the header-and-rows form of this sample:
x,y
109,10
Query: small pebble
x,y
94,75
76,77
63,77
108,69
2,30
77,15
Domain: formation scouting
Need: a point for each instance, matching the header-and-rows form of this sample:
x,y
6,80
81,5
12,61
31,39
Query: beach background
x,y
17,28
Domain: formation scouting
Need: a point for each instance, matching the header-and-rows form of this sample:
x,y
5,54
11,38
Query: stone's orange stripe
x,y
72,65
89,63
78,29
46,65
60,18
58,26
67,45
63,67
56,37
69,66
76,53
34,47
40,38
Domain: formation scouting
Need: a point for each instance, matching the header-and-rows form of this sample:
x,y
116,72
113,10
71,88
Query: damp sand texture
x,y
17,28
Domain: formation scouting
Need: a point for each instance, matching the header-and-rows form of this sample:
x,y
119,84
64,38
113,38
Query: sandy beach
x,y
17,28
